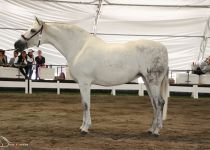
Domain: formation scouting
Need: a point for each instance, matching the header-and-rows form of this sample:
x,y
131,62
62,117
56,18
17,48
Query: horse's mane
x,y
69,25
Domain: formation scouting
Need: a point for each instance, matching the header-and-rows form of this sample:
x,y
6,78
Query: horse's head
x,y
31,37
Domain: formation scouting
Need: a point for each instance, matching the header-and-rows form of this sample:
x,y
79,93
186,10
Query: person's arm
x,y
202,65
43,60
25,61
36,60
33,60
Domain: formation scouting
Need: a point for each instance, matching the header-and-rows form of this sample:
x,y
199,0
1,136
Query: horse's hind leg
x,y
152,128
154,80
158,104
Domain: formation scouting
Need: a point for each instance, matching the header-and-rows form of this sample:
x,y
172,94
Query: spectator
x,y
196,69
30,62
205,66
40,62
21,63
12,60
3,58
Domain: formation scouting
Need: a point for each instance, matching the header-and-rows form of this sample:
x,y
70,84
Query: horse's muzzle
x,y
20,45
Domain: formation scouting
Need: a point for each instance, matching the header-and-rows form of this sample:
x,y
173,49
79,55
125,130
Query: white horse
x,y
92,61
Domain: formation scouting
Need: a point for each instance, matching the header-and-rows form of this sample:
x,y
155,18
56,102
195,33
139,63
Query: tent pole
x,y
98,12
204,41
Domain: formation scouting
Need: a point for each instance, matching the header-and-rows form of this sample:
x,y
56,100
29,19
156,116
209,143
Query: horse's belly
x,y
109,77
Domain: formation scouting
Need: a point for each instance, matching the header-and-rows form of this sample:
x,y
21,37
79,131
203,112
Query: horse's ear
x,y
38,21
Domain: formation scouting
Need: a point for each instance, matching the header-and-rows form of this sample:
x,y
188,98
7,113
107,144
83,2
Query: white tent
x,y
178,24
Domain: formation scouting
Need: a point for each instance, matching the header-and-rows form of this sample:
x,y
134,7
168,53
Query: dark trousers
x,y
24,71
198,71
30,71
37,71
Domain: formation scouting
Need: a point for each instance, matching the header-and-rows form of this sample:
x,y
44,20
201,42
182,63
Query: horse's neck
x,y
68,39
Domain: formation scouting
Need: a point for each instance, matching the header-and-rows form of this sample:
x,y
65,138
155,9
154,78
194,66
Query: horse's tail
x,y
165,94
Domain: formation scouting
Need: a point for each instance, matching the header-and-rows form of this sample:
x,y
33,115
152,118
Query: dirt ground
x,y
51,122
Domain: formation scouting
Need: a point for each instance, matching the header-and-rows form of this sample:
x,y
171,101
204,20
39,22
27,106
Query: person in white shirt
x,y
205,66
21,63
202,68
12,60
30,62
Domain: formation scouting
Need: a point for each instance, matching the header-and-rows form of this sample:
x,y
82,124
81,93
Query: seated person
x,y
205,66
196,69
21,63
30,62
3,58
12,60
40,61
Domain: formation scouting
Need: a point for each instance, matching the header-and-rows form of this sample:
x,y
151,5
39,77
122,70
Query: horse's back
x,y
147,46
150,55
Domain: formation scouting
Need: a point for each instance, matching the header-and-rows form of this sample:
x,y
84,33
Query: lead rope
x,y
40,36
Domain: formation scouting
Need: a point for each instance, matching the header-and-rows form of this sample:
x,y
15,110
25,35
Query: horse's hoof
x,y
153,134
150,132
156,135
83,133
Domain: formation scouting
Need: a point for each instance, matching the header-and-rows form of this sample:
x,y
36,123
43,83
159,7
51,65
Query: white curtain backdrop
x,y
179,28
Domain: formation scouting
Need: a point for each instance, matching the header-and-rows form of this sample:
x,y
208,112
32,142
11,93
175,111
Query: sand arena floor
x,y
51,122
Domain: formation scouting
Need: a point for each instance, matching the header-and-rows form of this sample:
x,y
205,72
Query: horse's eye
x,y
33,30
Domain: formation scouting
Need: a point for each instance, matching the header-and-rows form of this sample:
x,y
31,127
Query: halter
x,y
40,36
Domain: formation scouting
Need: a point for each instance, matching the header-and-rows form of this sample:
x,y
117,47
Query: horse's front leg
x,y
85,94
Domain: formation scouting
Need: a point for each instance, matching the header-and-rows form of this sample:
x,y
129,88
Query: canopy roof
x,y
178,24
